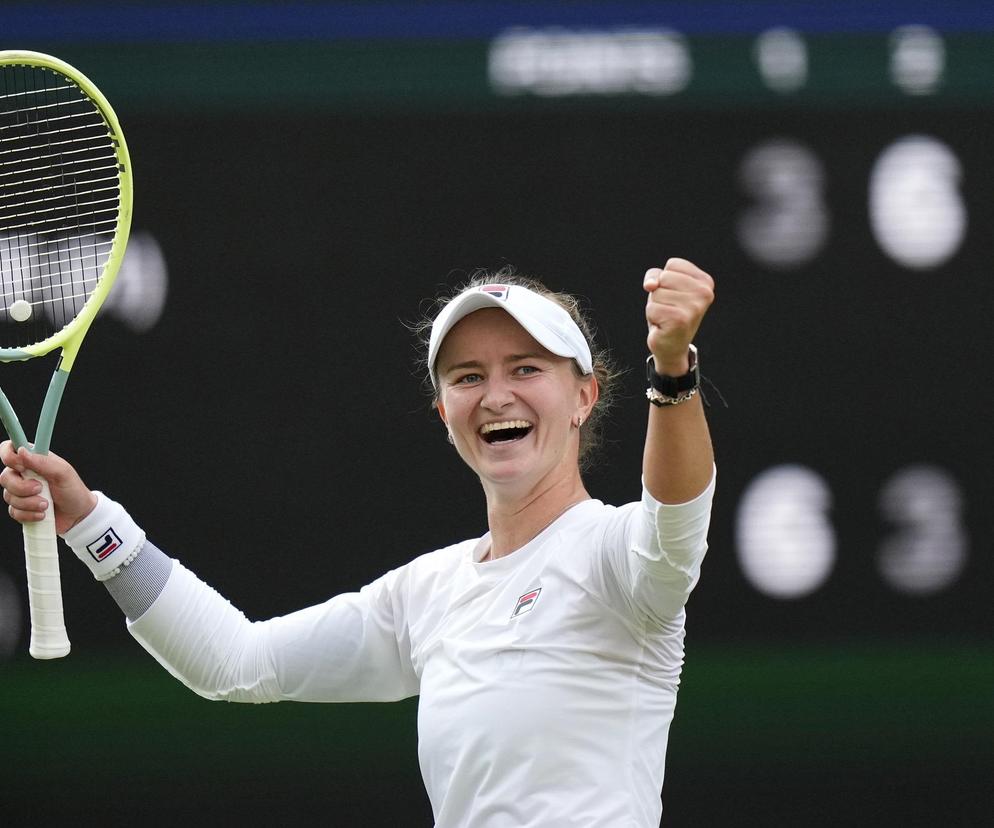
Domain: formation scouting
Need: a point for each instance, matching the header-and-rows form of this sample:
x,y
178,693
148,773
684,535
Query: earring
x,y
448,436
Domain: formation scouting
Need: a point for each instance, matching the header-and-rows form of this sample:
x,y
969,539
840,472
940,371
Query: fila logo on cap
x,y
497,291
104,545
526,602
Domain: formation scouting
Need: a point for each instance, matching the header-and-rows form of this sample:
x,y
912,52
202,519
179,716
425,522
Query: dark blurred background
x,y
309,175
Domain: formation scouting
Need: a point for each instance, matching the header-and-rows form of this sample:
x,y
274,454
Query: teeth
x,y
486,429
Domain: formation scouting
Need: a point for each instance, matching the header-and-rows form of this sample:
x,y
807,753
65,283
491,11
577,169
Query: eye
x,y
467,379
526,369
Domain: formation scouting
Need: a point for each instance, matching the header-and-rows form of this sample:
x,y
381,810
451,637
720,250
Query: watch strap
x,y
673,387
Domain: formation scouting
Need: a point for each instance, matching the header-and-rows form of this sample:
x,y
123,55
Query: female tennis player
x,y
547,652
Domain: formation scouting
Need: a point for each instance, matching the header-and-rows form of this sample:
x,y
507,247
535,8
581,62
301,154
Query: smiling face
x,y
510,404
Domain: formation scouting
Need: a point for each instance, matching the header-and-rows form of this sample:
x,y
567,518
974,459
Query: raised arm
x,y
678,460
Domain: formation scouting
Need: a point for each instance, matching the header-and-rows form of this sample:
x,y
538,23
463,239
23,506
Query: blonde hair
x,y
605,372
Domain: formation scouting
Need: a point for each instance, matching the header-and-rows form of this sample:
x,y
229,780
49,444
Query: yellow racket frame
x,y
71,336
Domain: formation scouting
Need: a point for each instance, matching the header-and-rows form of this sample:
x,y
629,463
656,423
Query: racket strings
x,y
60,199
62,153
54,201
54,177
24,94
41,217
33,246
55,125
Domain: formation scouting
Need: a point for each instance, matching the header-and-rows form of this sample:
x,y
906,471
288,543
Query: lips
x,y
505,431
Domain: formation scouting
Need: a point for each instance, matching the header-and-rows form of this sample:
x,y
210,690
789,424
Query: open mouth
x,y
506,432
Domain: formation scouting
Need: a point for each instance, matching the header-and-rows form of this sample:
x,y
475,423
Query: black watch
x,y
673,388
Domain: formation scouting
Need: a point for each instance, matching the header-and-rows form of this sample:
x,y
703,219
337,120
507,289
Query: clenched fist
x,y
679,296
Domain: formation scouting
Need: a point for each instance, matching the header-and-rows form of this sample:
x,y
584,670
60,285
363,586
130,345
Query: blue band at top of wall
x,y
472,19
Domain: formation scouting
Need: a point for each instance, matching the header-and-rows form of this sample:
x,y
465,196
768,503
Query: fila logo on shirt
x,y
104,545
526,602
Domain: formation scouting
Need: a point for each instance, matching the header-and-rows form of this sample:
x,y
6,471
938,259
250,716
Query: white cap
x,y
548,322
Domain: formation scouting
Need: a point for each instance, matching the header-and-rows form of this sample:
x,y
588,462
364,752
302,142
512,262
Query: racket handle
x,y
41,557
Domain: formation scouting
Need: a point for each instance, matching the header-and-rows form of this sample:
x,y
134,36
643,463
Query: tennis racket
x,y
65,213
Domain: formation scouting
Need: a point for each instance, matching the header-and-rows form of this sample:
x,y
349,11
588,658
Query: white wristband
x,y
106,539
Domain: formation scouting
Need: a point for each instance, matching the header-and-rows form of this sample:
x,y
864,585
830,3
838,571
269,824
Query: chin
x,y
506,473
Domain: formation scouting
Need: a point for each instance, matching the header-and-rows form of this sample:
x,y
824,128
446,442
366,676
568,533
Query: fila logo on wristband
x,y
526,603
104,545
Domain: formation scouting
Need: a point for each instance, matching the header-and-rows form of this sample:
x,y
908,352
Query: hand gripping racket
x,y
65,213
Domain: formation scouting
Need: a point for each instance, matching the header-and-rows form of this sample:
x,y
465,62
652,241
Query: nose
x,y
498,394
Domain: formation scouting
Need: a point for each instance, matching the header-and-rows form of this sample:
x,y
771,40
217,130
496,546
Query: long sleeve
x,y
658,562
353,647
346,649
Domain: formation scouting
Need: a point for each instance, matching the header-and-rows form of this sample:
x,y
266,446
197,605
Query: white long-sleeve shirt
x,y
547,678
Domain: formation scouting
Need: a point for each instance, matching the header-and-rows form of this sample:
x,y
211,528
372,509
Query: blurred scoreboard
x,y
829,163
475,55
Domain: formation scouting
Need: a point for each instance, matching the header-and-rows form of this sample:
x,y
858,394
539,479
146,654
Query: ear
x,y
440,407
589,393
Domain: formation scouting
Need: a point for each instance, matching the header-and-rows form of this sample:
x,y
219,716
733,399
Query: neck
x,y
514,521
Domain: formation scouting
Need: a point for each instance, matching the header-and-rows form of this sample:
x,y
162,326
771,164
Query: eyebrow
x,y
460,366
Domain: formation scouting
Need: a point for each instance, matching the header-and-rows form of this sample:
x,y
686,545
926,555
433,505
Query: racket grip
x,y
41,558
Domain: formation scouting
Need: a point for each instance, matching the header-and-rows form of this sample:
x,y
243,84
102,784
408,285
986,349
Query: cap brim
x,y
474,300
